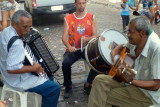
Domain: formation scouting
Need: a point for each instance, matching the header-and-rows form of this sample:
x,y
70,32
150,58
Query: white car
x,y
19,1
44,7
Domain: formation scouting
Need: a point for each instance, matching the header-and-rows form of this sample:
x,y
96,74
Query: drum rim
x,y
86,56
99,44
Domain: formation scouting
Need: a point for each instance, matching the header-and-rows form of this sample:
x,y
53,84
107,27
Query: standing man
x,y
7,9
141,91
77,26
17,75
148,4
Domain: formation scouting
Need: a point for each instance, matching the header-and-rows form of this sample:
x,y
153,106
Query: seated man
x,y
79,26
17,75
141,91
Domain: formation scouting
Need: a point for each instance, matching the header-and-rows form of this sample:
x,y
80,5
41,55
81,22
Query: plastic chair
x,y
22,96
87,69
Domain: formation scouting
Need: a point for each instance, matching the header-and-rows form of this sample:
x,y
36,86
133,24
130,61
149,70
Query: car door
x,y
53,2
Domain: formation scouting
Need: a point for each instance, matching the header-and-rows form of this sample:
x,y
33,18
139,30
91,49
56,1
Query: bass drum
x,y
97,51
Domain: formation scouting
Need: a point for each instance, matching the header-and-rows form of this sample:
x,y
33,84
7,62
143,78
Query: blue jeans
x,y
125,20
49,91
68,59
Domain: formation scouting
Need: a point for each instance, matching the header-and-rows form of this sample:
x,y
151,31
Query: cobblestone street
x,y
108,17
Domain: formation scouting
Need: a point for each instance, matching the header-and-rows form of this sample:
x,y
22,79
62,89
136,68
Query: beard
x,y
25,33
81,9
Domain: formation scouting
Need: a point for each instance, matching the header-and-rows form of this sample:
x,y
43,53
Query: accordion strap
x,y
11,41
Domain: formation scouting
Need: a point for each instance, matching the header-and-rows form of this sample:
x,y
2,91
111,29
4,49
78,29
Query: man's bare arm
x,y
65,37
152,85
94,31
28,69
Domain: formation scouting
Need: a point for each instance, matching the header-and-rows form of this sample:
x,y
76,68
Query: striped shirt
x,y
13,60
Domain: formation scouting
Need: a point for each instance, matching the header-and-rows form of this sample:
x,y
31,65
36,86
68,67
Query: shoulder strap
x,y
11,41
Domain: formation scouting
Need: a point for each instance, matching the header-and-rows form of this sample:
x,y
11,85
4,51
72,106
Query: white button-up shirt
x,y
147,65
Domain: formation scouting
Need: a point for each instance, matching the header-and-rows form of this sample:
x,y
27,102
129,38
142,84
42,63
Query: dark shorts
x,y
147,4
6,6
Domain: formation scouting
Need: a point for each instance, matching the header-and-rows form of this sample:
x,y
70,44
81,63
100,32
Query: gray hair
x,y
142,24
17,15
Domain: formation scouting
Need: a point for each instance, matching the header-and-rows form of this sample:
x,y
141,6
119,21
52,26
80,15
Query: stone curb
x,y
107,3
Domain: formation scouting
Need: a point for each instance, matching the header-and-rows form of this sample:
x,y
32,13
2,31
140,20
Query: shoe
x,y
156,21
68,88
67,94
68,91
87,89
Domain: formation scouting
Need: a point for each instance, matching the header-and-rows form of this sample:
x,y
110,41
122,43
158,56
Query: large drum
x,y
97,51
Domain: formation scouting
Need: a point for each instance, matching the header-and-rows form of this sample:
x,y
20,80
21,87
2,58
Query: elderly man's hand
x,y
38,69
125,73
116,51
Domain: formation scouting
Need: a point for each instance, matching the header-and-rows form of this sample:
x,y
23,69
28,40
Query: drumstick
x,y
81,43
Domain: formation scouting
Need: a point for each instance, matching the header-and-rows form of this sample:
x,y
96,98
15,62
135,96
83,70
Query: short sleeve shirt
x,y
147,65
13,60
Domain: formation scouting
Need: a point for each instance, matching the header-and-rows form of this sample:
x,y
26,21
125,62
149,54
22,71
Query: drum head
x,y
108,40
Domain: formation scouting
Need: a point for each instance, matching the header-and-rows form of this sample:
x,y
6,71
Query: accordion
x,y
40,52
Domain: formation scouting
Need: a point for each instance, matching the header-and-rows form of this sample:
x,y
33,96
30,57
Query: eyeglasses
x,y
131,31
26,27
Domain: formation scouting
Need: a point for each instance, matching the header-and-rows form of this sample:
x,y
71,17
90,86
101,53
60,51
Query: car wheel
x,y
72,11
34,20
17,1
25,7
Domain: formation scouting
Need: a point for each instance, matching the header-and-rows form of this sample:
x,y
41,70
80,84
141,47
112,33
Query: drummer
x,y
79,27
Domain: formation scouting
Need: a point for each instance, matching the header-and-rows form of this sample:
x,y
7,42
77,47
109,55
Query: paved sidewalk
x,y
106,3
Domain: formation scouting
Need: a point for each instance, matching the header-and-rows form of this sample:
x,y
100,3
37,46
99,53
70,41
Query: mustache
x,y
25,33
